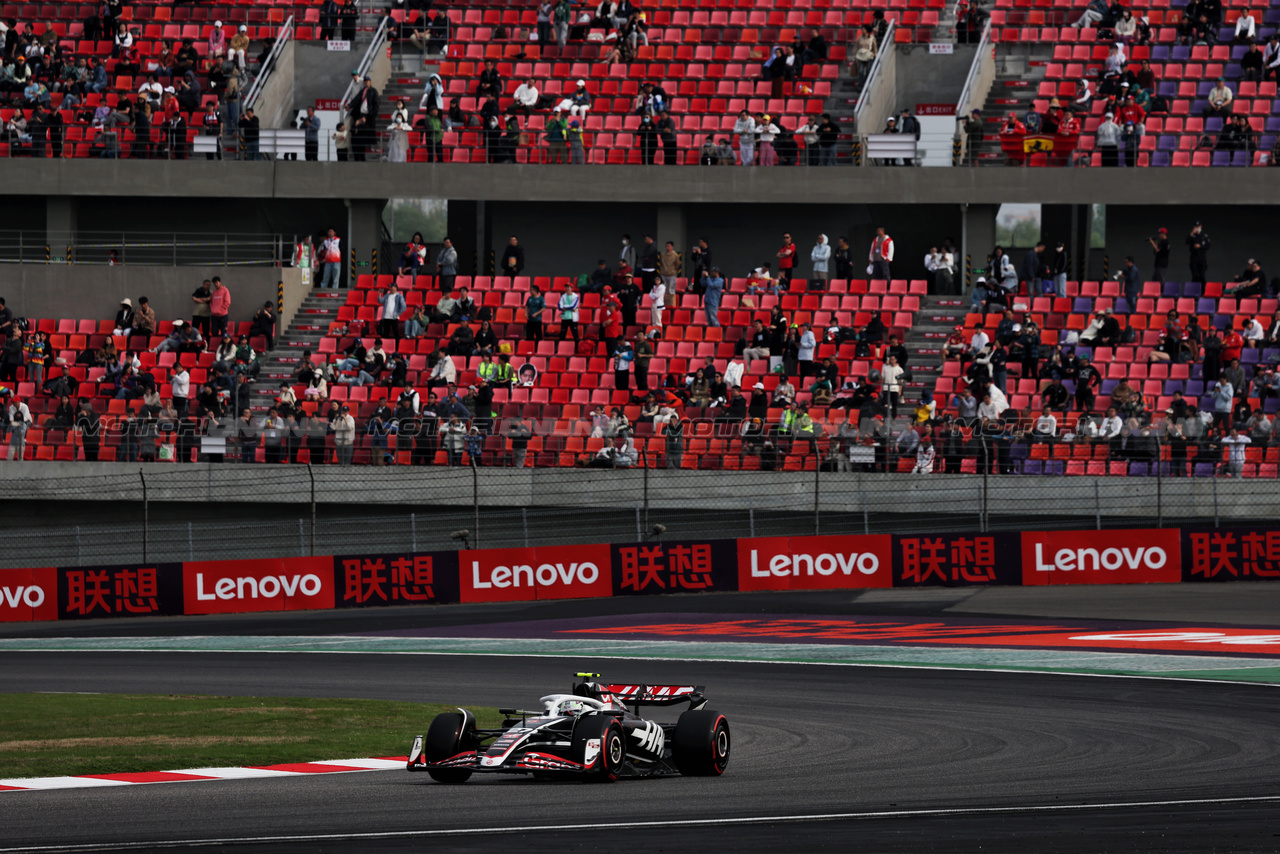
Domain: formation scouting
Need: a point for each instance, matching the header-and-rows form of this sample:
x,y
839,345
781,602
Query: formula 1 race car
x,y
589,733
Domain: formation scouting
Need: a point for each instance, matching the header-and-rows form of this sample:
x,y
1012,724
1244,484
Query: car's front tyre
x,y
451,733
599,744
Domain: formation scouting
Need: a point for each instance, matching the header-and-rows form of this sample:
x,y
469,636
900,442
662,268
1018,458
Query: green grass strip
x,y
45,735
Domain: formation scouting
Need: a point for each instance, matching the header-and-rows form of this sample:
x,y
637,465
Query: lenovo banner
x,y
28,594
421,578
645,569
232,587
1101,557
1230,554
815,563
131,590
521,575
956,560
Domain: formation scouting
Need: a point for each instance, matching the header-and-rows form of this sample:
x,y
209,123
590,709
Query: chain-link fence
x,y
119,512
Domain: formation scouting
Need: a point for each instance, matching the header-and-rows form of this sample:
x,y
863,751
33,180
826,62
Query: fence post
x,y
413,532
1159,484
1214,481
986,471
751,516
817,523
145,514
475,503
862,500
1097,505
312,475
644,465
191,541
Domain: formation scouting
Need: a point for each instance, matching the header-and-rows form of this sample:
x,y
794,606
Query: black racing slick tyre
x,y
604,760
701,744
451,733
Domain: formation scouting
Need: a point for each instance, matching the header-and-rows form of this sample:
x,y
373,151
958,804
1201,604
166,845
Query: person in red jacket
x,y
1232,344
881,254
786,262
610,320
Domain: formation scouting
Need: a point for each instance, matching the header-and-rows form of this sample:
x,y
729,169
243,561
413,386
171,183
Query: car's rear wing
x,y
656,695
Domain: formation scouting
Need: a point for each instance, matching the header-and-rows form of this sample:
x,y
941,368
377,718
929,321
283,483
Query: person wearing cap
x,y
766,133
124,318
1160,247
238,46
1271,58
1220,100
217,41
557,130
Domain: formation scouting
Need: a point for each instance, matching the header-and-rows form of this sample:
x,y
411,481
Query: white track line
x,y
636,825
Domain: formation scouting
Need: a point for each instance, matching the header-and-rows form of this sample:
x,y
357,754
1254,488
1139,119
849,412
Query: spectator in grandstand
x,y
766,133
880,255
647,139
1251,282
1131,283
1220,100
1094,14
864,52
745,129
392,306
1198,243
219,307
238,46
249,135
490,81
362,116
568,306
1107,140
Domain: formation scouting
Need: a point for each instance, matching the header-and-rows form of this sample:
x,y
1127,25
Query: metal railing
x,y
885,48
376,44
282,38
163,249
982,73
302,509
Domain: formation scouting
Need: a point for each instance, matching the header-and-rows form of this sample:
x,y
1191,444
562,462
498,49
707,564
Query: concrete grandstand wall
x,y
81,292
84,513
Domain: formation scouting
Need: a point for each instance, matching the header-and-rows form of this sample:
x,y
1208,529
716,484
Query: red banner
x,y
28,594
547,572
815,563
1101,557
232,587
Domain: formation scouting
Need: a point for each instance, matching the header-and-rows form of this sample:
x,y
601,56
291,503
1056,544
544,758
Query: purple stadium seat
x,y
1204,470
1241,158
1160,158
1082,305
1213,125
1172,289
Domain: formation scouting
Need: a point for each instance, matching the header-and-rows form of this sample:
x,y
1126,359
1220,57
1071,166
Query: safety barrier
x,y
1028,558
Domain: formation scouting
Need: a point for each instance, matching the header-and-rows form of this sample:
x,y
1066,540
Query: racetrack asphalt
x,y
878,757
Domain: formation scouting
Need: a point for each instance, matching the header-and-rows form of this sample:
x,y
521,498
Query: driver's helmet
x,y
568,708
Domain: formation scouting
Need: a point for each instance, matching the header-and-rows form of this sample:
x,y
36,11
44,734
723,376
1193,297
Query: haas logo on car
x,y
257,585
1100,557
814,563
650,739
516,575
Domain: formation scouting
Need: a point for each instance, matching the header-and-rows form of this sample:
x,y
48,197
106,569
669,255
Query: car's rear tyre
x,y
606,765
701,744
451,733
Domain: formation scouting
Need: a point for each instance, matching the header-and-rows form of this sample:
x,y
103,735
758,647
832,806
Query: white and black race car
x,y
590,733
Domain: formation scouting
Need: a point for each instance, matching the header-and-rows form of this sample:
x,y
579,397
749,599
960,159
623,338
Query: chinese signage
x,y
1031,558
